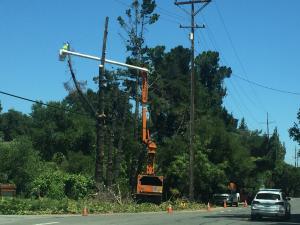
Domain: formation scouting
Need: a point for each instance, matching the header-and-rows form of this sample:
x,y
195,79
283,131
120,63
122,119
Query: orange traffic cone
x,y
245,203
208,207
225,204
84,211
169,209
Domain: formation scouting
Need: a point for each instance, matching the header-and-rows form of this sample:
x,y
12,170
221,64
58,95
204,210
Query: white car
x,y
270,203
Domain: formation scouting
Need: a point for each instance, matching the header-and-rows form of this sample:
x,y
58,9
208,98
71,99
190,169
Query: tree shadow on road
x,y
295,219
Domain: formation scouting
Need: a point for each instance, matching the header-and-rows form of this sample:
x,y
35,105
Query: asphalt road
x,y
217,216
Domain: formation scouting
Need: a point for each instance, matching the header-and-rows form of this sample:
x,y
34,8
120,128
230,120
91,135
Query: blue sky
x,y
258,39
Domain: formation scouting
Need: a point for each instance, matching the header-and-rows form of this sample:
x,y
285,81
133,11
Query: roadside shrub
x,y
50,184
20,164
19,206
56,184
77,186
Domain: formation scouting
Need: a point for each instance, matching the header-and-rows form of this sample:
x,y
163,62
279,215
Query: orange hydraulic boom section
x,y
148,184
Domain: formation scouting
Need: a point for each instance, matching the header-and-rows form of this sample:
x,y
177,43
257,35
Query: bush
x,y
20,163
50,184
33,206
77,186
58,185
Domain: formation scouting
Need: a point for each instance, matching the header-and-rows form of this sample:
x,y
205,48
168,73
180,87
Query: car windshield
x,y
268,196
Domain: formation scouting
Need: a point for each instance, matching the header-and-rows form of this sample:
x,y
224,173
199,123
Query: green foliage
x,y
287,177
66,206
14,124
56,184
18,206
20,163
55,130
138,16
50,154
77,162
50,184
211,77
295,130
77,186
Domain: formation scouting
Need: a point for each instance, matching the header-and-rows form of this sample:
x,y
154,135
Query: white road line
x,y
46,223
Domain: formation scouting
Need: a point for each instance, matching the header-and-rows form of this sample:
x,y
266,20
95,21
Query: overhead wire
x,y
266,87
224,61
41,103
209,46
213,43
223,58
237,55
171,14
172,17
237,105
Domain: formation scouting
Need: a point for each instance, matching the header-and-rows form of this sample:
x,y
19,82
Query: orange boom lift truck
x,y
149,185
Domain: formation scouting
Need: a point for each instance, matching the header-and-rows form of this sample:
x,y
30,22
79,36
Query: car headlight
x,y
254,204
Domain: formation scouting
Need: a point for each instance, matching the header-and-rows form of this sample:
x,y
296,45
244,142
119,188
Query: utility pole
x,y
192,86
99,172
268,122
268,126
99,113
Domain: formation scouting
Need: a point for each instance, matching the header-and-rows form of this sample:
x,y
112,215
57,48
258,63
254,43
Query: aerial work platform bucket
x,y
149,188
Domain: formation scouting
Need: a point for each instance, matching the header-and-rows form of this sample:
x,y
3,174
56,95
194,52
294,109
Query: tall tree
x,y
139,15
14,124
276,148
211,78
294,131
20,163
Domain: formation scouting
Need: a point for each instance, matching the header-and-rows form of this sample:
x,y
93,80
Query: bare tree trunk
x,y
119,152
109,171
101,116
136,112
99,153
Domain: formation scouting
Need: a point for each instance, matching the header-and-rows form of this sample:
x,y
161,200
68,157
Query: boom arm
x,y
151,146
147,184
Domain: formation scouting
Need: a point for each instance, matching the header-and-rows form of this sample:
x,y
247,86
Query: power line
x,y
234,100
174,17
41,103
214,46
169,13
266,87
224,60
235,52
243,103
